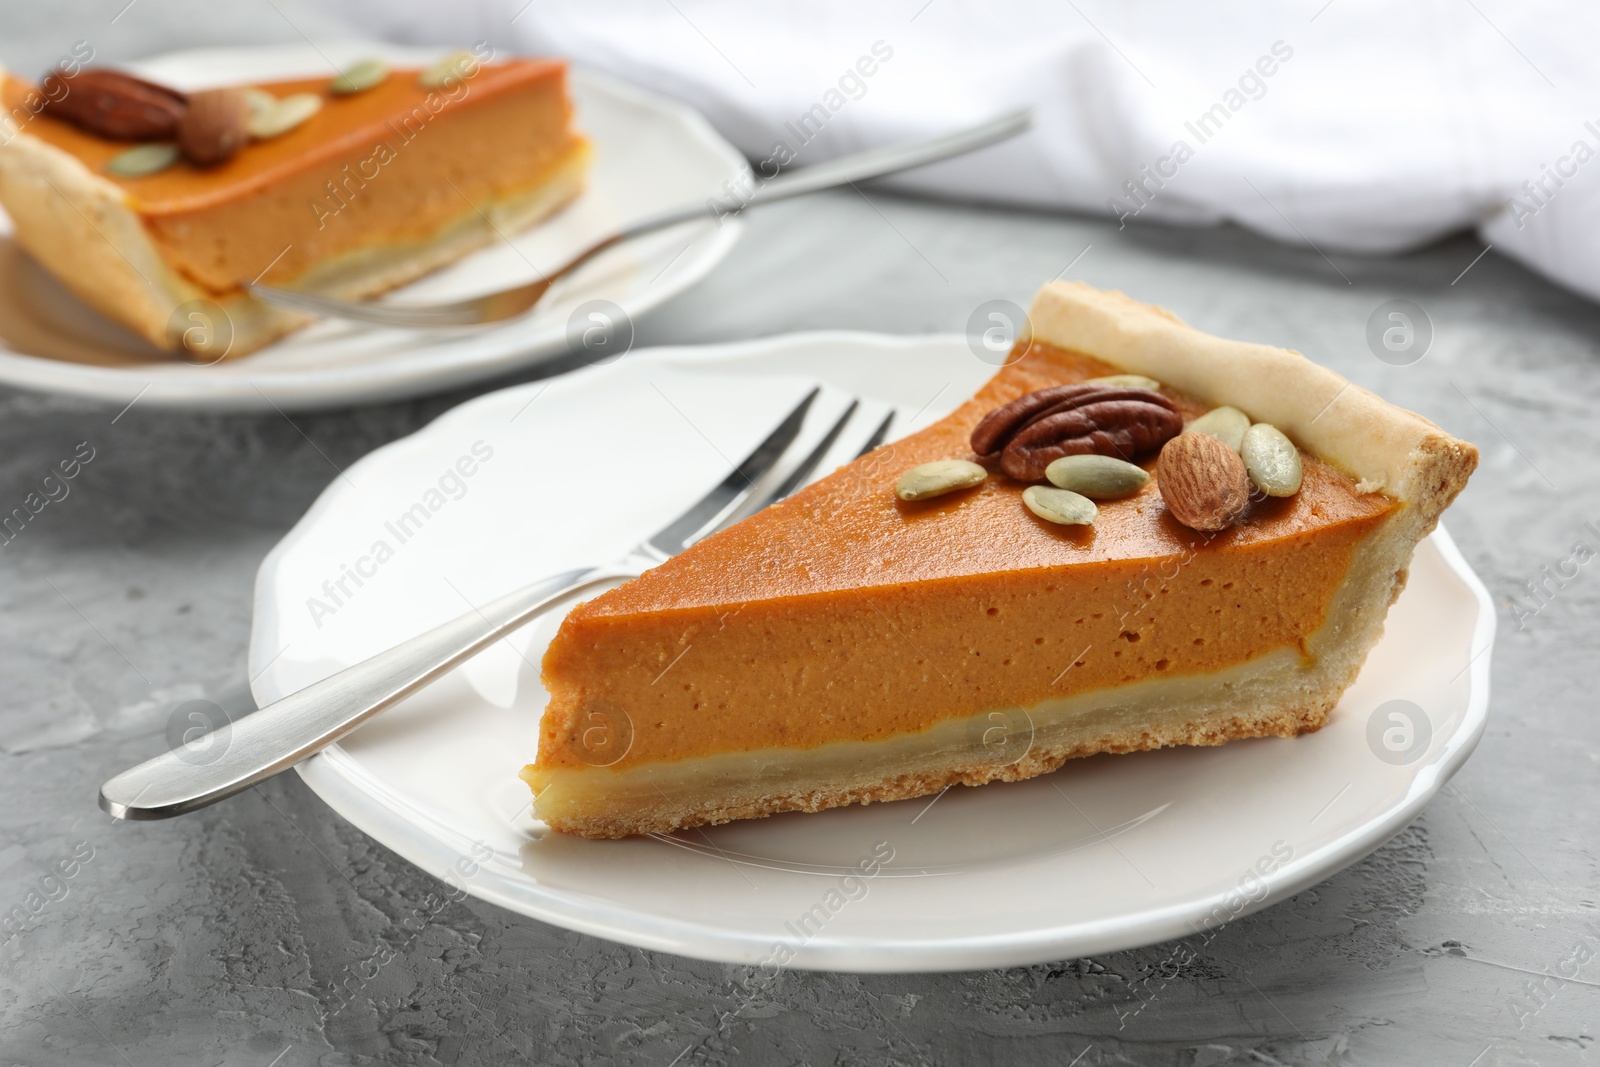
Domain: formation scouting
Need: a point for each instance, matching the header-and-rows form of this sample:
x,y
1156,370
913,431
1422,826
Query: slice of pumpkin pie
x,y
1135,535
154,206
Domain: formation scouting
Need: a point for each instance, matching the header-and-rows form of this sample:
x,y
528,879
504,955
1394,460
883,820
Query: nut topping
x,y
216,126
1026,435
938,478
1097,477
1227,424
1060,506
272,117
1203,481
142,160
1134,381
116,106
1271,460
359,77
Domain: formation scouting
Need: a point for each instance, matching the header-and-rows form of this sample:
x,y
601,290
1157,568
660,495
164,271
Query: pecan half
x,y
1026,435
116,106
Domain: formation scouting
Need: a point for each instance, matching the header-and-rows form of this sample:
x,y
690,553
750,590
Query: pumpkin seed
x,y
1225,423
1271,460
937,478
142,159
259,100
1096,477
455,67
359,77
283,115
1129,381
1059,505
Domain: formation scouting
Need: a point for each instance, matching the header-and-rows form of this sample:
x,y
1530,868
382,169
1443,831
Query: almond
x,y
1203,481
118,107
216,125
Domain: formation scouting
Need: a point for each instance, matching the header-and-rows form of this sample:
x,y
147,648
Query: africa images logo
x,y
452,484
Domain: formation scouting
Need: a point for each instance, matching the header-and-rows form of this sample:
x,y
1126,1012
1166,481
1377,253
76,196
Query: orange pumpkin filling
x,y
847,614
389,166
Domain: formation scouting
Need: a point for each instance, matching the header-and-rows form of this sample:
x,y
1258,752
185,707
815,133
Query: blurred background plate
x,y
650,154
1107,853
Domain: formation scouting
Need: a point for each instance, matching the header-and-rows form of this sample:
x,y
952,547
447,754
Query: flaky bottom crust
x,y
966,769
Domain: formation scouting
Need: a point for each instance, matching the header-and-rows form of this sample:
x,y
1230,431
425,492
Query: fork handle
x,y
267,742
854,168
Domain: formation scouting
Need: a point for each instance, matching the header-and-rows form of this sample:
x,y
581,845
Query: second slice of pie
x,y
371,189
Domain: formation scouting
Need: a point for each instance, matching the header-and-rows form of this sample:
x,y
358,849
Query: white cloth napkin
x,y
1349,125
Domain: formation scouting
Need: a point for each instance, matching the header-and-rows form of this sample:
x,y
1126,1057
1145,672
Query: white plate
x,y
1107,853
650,155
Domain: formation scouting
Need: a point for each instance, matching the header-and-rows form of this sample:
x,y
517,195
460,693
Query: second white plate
x,y
1105,854
650,154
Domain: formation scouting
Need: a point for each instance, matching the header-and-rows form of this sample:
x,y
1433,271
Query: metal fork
x,y
283,733
509,303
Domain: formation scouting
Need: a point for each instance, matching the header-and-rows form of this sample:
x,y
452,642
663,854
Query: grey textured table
x,y
219,938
